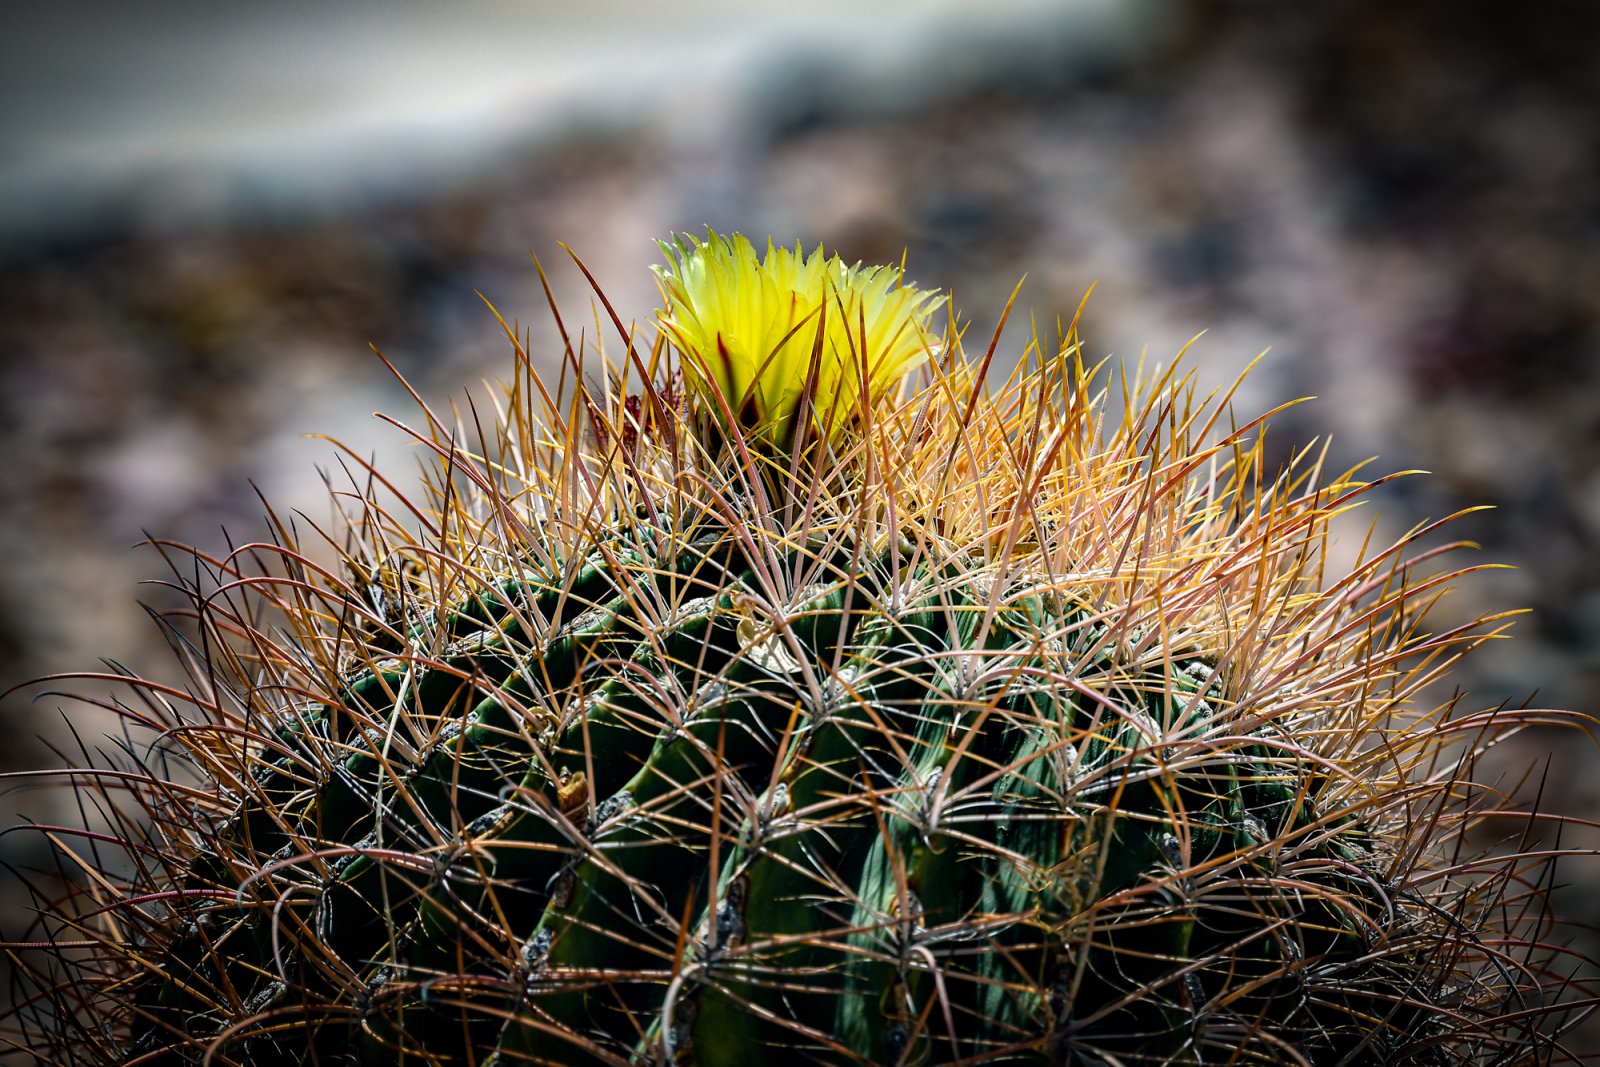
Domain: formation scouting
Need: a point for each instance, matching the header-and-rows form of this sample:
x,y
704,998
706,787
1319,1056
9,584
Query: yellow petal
x,y
753,334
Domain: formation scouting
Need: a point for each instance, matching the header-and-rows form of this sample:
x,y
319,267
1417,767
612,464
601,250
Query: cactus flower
x,y
789,339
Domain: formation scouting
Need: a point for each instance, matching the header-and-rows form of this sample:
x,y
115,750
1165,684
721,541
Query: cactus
x,y
753,700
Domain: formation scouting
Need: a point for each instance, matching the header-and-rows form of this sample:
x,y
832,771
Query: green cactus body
x,y
925,844
948,726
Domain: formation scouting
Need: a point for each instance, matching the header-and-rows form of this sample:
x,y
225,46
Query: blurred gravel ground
x,y
1401,201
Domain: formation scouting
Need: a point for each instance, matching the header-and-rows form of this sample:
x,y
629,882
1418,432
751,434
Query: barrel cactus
x,y
781,688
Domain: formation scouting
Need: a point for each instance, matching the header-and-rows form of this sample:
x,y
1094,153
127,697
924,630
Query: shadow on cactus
x,y
748,699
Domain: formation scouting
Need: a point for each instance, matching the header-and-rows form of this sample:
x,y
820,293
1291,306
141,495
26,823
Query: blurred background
x,y
208,212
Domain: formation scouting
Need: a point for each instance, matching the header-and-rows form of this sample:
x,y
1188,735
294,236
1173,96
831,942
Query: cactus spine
x,y
752,701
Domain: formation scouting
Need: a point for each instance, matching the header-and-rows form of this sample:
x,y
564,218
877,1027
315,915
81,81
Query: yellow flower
x,y
754,333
